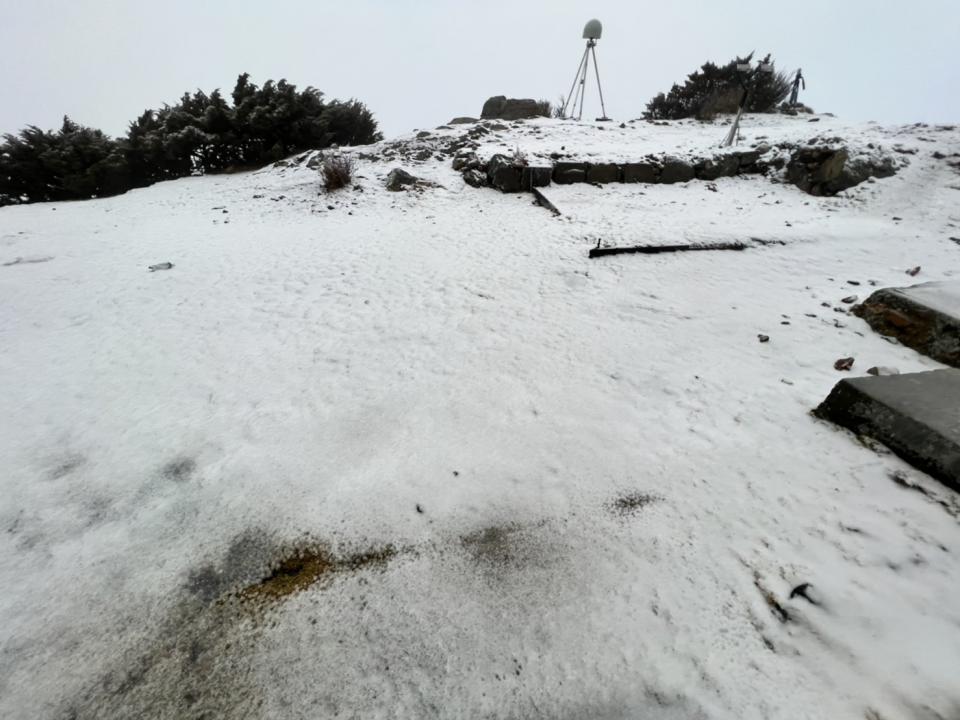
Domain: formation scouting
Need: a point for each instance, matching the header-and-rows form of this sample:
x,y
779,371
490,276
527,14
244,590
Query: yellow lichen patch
x,y
305,567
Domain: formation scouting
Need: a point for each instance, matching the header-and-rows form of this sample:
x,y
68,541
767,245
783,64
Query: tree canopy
x,y
716,89
201,133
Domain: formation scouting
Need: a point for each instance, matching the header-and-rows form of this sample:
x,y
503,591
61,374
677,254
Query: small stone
x,y
843,364
853,282
850,299
763,338
881,370
913,272
420,508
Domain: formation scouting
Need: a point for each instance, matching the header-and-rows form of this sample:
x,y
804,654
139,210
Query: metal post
x,y
596,67
583,80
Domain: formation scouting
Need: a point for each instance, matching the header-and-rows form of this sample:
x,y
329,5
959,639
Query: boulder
x,y
503,174
565,173
398,178
503,108
819,170
466,161
747,159
603,173
531,177
640,172
924,317
914,414
463,121
474,178
676,170
718,167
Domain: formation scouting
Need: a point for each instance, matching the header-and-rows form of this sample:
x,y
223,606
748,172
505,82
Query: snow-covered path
x,y
597,486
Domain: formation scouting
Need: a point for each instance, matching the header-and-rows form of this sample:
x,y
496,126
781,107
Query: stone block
x,y
603,173
676,170
503,175
565,173
915,415
532,177
923,317
640,172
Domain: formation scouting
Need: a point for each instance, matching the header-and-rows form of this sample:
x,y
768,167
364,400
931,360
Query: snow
x,y
305,374
943,297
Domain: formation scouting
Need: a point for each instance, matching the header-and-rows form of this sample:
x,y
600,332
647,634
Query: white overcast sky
x,y
419,63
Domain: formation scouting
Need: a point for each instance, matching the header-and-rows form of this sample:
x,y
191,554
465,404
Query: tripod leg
x,y
576,79
583,80
599,89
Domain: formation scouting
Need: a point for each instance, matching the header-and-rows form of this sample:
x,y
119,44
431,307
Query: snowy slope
x,y
598,488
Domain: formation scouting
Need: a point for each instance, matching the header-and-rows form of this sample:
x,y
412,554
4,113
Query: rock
x,y
676,170
914,414
503,174
924,317
913,272
822,170
640,172
161,266
463,121
565,173
503,108
423,134
849,299
817,170
718,167
531,177
474,178
746,158
467,161
603,173
398,178
763,338
843,364
881,370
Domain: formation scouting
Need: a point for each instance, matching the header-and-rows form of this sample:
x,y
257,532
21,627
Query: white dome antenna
x,y
591,33
593,30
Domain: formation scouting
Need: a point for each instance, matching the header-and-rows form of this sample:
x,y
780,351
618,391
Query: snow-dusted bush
x,y
336,172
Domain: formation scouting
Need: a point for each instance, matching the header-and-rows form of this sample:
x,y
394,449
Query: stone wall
x,y
817,170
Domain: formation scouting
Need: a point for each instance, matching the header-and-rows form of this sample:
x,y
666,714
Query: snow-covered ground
x,y
590,490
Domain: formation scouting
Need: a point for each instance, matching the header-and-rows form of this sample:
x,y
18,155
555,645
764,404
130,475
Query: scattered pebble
x,y
881,370
913,272
843,364
763,338
849,299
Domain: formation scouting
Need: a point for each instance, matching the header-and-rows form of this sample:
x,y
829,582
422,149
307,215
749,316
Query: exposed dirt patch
x,y
179,469
304,567
631,503
495,545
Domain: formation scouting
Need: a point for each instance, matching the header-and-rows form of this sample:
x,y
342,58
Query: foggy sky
x,y
418,64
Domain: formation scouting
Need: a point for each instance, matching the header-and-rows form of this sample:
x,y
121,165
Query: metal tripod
x,y
579,88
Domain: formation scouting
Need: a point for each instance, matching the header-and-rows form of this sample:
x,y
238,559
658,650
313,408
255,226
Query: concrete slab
x,y
923,317
917,415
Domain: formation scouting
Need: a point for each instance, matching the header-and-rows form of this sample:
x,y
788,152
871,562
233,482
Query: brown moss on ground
x,y
305,567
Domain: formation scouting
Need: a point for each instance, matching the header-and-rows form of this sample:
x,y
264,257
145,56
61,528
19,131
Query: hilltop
x,y
413,453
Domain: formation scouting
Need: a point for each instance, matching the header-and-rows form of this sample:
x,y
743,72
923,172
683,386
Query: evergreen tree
x,y
716,89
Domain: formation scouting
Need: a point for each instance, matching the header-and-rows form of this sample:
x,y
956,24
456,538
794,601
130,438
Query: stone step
x,y
923,317
917,415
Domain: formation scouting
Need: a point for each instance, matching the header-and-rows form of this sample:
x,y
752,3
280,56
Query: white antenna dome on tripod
x,y
592,30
